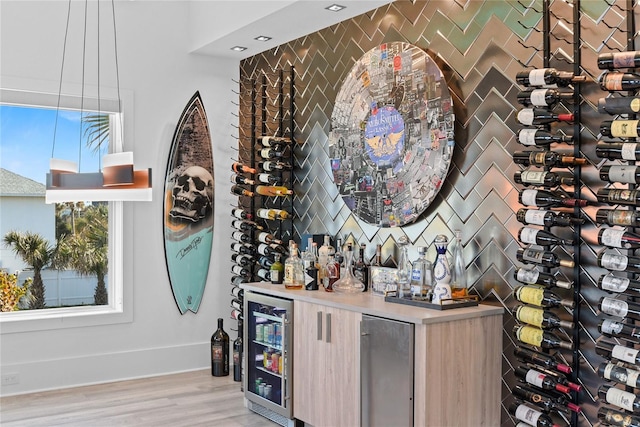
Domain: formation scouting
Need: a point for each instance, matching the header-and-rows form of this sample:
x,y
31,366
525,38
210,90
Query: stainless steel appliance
x,y
386,372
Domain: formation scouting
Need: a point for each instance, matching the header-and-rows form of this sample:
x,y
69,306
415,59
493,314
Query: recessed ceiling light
x,y
238,48
263,38
335,8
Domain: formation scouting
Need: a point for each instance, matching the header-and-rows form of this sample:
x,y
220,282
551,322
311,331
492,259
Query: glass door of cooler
x,y
268,352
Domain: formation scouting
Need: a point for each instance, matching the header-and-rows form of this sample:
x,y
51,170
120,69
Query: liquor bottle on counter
x,y
537,255
546,218
361,269
542,178
544,360
548,199
544,97
238,355
546,77
620,398
614,60
540,379
533,276
441,271
611,417
623,105
404,269
279,214
545,401
325,250
238,167
332,273
546,158
530,416
539,338
541,116
538,317
617,196
617,238
611,283
619,308
277,271
622,330
619,374
458,269
620,128
614,351
613,150
293,270
534,236
615,80
540,137
540,297
618,262
220,351
421,274
239,179
625,218
626,174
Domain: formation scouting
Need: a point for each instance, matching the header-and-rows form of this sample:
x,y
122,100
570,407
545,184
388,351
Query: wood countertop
x,y
374,305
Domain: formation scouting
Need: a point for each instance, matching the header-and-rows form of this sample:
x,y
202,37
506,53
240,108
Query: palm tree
x,y
97,130
37,252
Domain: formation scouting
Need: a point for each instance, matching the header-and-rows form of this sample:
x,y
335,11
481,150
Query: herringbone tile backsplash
x,y
480,45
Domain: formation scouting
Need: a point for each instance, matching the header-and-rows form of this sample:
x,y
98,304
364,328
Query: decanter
x,y
348,283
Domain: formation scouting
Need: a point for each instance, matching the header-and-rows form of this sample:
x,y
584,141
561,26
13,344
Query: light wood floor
x,y
186,399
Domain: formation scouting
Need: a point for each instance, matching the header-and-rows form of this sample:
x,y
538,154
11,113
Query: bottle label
x,y
536,378
289,273
608,326
624,59
275,276
217,354
624,128
530,315
528,235
612,81
614,284
527,136
621,374
618,217
628,151
537,157
623,173
621,398
538,97
533,177
238,213
612,261
612,237
530,335
525,116
529,197
528,415
618,195
535,217
536,77
634,105
527,276
531,295
532,255
624,354
614,307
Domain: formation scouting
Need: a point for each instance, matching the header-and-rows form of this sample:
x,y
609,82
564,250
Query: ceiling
x,y
217,26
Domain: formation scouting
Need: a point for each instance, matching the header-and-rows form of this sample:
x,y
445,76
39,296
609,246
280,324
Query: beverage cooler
x,y
268,368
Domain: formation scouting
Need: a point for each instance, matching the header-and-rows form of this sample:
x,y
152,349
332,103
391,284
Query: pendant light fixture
x,y
117,181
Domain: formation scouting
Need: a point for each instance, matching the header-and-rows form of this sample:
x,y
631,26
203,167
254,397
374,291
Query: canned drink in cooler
x,y
259,333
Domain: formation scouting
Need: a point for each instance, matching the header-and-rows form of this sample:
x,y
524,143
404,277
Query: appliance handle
x,y
319,328
328,327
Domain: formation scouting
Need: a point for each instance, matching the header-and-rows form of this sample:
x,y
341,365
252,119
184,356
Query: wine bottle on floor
x,y
238,355
220,351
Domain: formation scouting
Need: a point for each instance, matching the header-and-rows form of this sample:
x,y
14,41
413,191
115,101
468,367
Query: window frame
x,y
120,307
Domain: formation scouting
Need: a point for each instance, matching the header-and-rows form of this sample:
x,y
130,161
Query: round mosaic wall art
x,y
391,137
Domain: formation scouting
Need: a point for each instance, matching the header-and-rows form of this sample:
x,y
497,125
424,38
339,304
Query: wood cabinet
x,y
326,369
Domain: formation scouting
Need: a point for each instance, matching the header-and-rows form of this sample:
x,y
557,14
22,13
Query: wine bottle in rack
x,y
241,213
622,217
540,137
237,314
626,174
242,260
546,158
243,248
271,166
618,262
542,97
269,179
264,274
616,196
546,218
240,191
620,398
539,379
535,236
622,105
270,153
273,190
620,285
265,261
238,167
270,249
539,338
270,141
615,60
537,255
562,379
241,271
245,225
620,128
238,280
614,150
618,238
548,199
265,237
241,237
540,297
542,359
236,303
545,401
272,214
613,351
542,178
533,276
538,317
621,330
239,179
614,80
614,418
619,308
237,292
546,77
619,374
541,116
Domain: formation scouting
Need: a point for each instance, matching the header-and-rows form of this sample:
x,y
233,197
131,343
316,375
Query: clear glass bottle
x,y
404,269
294,270
325,250
441,271
348,283
308,258
421,275
458,270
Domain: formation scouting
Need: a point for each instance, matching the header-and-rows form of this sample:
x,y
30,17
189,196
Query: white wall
x,y
152,43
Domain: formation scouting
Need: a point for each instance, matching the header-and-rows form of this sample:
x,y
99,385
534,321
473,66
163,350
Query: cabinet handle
x,y
328,327
319,326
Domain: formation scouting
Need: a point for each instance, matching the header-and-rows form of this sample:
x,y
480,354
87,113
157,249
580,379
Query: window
x,y
26,142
